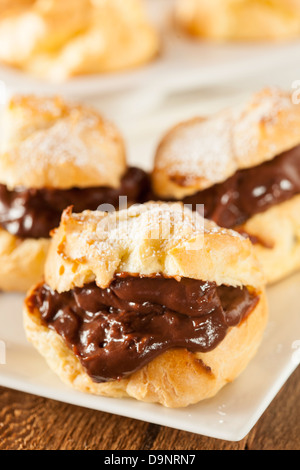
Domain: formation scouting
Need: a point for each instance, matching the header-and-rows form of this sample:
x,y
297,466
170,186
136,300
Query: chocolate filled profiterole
x,y
53,155
243,165
147,302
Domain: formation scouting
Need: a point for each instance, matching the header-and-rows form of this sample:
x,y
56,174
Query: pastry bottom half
x,y
21,261
176,378
278,234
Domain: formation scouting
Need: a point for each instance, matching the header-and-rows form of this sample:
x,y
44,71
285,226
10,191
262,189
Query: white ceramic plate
x,y
229,416
183,64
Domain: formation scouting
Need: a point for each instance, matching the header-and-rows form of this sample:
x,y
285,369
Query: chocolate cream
x,y
33,213
116,331
251,191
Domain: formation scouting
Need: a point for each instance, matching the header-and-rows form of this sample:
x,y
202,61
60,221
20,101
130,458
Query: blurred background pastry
x,y
224,20
56,39
243,165
53,155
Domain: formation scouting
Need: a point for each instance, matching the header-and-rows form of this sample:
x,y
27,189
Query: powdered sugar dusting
x,y
264,108
145,239
212,150
157,227
200,148
52,106
52,143
58,145
80,139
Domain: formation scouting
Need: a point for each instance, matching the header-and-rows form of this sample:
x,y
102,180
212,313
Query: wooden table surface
x,y
28,422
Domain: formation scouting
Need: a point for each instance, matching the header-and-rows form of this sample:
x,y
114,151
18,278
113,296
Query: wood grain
x,y
28,422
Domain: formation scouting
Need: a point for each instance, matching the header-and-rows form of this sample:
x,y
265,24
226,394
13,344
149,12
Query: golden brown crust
x,y
176,378
146,239
199,153
21,261
278,233
54,40
224,20
48,143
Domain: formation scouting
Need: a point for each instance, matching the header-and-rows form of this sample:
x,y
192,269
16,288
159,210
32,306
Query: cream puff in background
x,y
231,20
56,40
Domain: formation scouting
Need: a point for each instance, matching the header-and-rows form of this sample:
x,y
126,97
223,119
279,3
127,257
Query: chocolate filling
x,y
251,191
117,330
33,213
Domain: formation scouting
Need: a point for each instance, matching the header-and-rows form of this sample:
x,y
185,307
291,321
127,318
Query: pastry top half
x,y
48,143
145,240
203,152
240,19
56,40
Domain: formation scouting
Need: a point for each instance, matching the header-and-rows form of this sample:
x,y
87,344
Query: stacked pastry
x,y
232,20
54,40
152,302
243,164
54,155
